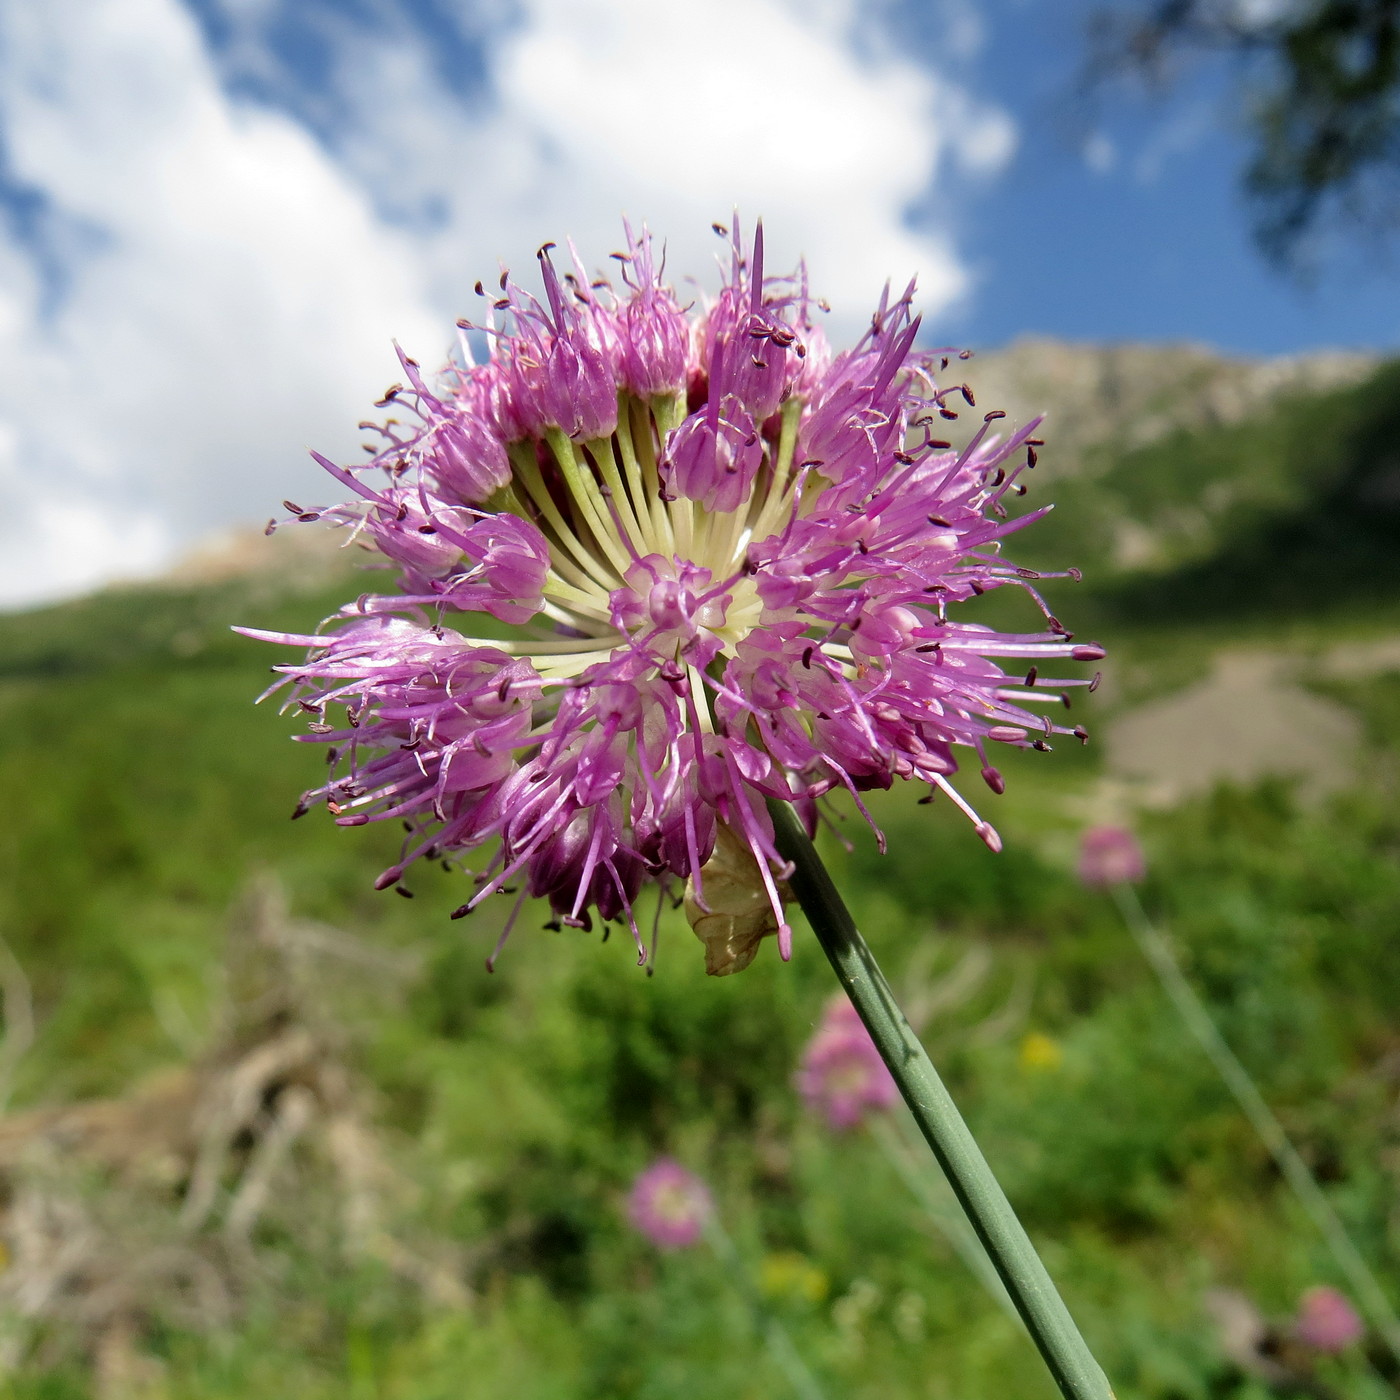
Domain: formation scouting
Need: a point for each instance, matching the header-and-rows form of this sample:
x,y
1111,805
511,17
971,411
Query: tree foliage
x,y
1321,92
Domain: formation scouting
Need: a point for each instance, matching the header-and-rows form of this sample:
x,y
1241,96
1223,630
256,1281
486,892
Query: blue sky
x,y
218,213
1154,244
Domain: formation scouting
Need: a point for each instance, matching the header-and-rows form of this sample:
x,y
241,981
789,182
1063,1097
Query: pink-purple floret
x,y
1326,1320
820,655
670,1205
842,1076
1110,855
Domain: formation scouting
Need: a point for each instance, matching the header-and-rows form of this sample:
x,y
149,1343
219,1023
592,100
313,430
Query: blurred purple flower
x,y
842,1075
1326,1320
737,559
1110,855
670,1205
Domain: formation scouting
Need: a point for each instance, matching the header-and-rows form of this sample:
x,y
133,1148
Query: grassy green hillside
x,y
144,796
1294,508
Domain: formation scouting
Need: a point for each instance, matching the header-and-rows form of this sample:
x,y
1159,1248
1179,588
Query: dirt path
x,y
1249,719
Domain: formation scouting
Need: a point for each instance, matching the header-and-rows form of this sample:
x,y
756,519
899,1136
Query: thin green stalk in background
x,y
930,1191
784,1349
1158,952
1017,1264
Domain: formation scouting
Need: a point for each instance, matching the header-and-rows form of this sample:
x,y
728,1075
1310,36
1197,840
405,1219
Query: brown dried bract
x,y
739,914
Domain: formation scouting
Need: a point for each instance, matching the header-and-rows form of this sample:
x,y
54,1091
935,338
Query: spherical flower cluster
x,y
1326,1321
1110,855
842,1076
670,1205
735,563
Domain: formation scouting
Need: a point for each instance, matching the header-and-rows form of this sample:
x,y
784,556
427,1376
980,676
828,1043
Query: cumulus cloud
x,y
805,113
1183,132
1100,154
216,278
236,294
832,145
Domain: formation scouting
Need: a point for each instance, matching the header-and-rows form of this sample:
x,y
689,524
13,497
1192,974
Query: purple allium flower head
x,y
737,564
1110,855
1326,1321
842,1075
670,1205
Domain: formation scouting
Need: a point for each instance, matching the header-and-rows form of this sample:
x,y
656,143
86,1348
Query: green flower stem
x,y
1041,1308
1158,952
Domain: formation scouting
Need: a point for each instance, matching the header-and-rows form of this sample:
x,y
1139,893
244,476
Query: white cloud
x,y
233,284
1183,132
74,543
830,150
1100,154
803,113
1262,14
238,297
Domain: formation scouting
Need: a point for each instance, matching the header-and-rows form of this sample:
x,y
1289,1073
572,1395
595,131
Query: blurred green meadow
x,y
164,918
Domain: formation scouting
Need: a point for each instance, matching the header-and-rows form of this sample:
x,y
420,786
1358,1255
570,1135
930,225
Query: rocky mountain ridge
x,y
1103,399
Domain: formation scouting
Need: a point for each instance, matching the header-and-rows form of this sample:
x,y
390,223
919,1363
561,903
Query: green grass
x,y
1288,510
